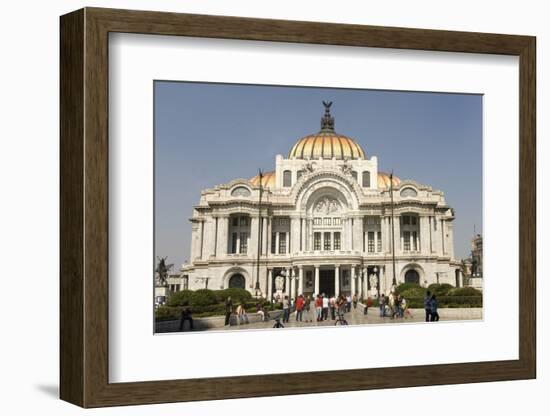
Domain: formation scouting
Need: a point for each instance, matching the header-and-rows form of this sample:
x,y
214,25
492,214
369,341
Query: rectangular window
x,y
336,221
317,241
243,247
327,245
326,221
317,221
235,221
337,244
370,239
379,241
273,242
244,221
414,241
406,220
407,240
413,220
282,243
435,223
234,243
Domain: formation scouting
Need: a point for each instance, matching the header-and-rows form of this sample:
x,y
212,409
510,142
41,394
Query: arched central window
x,y
327,224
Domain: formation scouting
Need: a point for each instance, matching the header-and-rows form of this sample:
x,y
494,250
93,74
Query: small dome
x,y
268,180
326,144
384,180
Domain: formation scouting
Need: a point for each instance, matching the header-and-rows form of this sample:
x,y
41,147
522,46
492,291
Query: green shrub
x,y
442,289
182,298
203,297
415,292
407,286
237,295
465,291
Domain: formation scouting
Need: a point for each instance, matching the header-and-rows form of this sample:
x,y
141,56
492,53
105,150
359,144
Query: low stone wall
x,y
211,322
447,313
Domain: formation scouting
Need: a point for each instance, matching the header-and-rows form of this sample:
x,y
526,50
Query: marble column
x,y
293,285
222,239
300,280
336,280
287,243
353,277
424,235
252,249
360,285
358,233
382,281
270,284
295,235
277,243
265,246
287,283
316,279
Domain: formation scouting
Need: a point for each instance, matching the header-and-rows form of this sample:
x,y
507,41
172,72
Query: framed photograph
x,y
255,207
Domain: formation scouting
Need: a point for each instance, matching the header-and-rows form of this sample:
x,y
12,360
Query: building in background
x,y
324,225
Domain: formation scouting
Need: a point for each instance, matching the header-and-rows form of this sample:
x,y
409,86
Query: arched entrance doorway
x,y
412,277
237,281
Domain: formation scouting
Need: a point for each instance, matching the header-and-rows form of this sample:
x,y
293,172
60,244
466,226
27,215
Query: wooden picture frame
x,y
84,207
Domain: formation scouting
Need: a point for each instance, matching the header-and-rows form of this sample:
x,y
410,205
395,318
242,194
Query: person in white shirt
x,y
325,307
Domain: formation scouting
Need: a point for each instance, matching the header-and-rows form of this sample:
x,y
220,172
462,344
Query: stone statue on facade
x,y
373,280
279,283
346,169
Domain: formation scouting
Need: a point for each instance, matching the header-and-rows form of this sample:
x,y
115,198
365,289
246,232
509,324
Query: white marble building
x,y
323,223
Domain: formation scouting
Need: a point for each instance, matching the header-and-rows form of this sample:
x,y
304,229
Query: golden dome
x,y
326,144
384,180
268,180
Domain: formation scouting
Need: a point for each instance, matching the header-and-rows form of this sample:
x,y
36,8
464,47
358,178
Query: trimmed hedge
x,y
465,291
181,298
407,286
237,295
440,289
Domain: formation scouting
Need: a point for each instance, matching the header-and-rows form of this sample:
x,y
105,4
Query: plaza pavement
x,y
355,317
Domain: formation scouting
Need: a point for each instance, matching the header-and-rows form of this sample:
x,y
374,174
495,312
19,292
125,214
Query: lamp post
x,y
258,292
394,281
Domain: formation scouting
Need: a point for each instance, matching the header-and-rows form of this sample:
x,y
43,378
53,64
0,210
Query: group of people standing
x,y
394,306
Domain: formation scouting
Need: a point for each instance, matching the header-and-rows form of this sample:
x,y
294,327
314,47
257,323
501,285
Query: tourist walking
x,y
242,317
382,305
260,311
318,307
228,310
299,308
186,316
427,306
433,309
354,300
308,308
399,306
332,307
348,303
286,309
325,307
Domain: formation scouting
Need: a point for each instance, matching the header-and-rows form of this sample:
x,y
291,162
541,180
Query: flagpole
x,y
258,292
394,280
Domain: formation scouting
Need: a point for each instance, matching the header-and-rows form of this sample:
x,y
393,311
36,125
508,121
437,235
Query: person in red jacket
x,y
300,303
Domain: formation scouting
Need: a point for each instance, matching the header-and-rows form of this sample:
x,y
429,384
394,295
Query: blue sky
x,y
207,134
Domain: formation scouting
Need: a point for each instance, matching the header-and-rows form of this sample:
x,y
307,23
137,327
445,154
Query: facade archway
x,y
237,281
412,273
412,276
